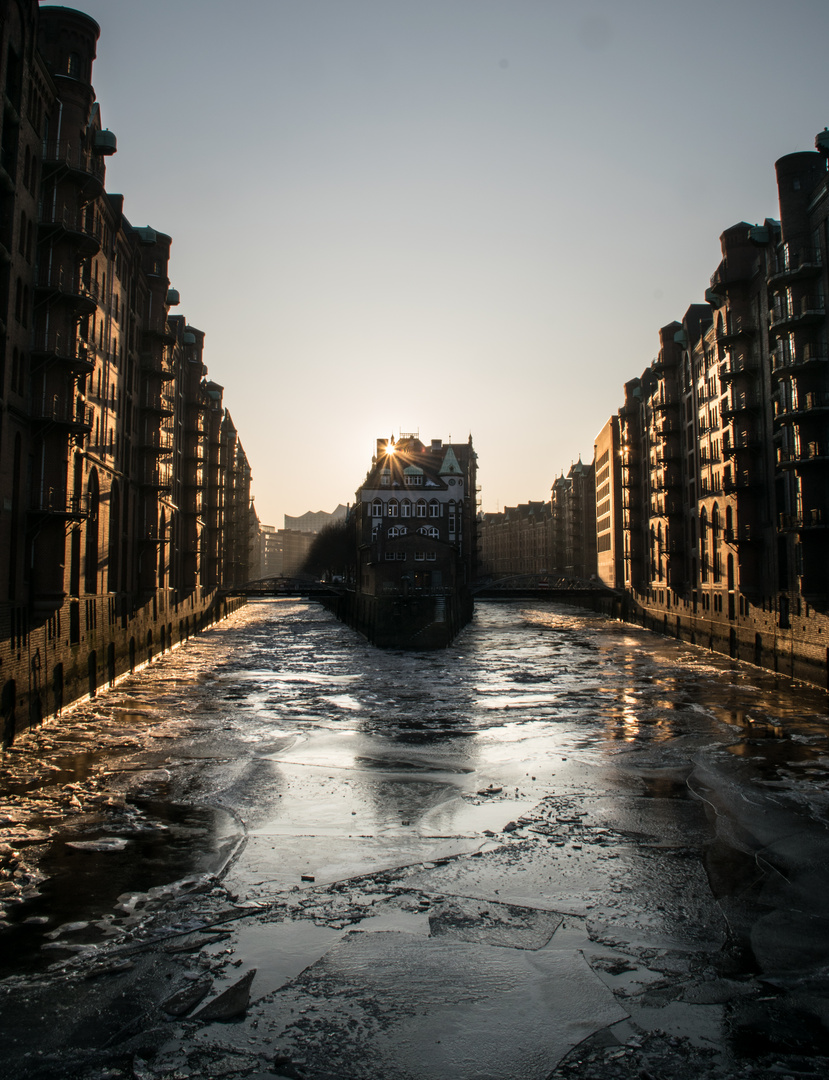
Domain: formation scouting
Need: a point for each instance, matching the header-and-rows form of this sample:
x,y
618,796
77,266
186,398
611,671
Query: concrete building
x,y
116,527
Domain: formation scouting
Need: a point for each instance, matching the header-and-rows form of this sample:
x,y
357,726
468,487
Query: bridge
x,y
302,585
539,586
516,586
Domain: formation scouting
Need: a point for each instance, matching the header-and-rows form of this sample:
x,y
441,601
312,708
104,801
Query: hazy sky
x,y
445,216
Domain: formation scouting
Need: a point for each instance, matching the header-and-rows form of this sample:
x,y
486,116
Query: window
x,y
385,478
73,66
393,508
420,556
430,531
421,508
377,509
405,509
434,508
431,556
413,480
397,530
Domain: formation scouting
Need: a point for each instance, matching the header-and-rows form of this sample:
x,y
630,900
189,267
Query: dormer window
x,y
385,478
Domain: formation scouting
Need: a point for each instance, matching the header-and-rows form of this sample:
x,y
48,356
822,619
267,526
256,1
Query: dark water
x,y
282,739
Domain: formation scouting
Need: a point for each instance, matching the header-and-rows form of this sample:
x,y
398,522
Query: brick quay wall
x,y
797,651
86,647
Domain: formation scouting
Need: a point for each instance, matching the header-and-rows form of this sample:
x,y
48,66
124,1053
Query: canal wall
x,y
759,636
417,623
87,646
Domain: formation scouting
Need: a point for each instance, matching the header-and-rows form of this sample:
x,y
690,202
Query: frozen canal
x,y
560,833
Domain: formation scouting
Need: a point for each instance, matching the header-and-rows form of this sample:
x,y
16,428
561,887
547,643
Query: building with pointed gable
x,y
415,517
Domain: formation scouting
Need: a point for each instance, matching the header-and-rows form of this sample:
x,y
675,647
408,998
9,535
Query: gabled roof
x,y
450,464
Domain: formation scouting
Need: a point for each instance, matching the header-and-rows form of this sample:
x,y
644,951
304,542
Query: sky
x,y
449,217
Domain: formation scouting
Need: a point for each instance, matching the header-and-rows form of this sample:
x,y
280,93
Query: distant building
x,y
295,548
270,551
298,535
609,504
315,521
516,540
573,503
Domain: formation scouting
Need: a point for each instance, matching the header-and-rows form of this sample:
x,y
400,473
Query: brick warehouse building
x,y
721,520
125,490
555,539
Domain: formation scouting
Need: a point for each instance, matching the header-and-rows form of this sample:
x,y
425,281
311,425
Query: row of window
x,y
405,509
401,530
419,556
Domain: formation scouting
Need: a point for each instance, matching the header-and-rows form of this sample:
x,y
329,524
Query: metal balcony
x,y
809,311
795,264
814,352
69,287
787,411
734,329
807,519
740,403
78,162
735,367
72,224
75,415
54,347
736,272
811,454
58,503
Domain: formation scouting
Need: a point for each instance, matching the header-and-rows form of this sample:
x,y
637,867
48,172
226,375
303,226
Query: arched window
x,y
420,507
393,506
397,530
715,543
377,508
114,536
434,508
162,557
430,531
91,564
703,545
659,550
405,508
